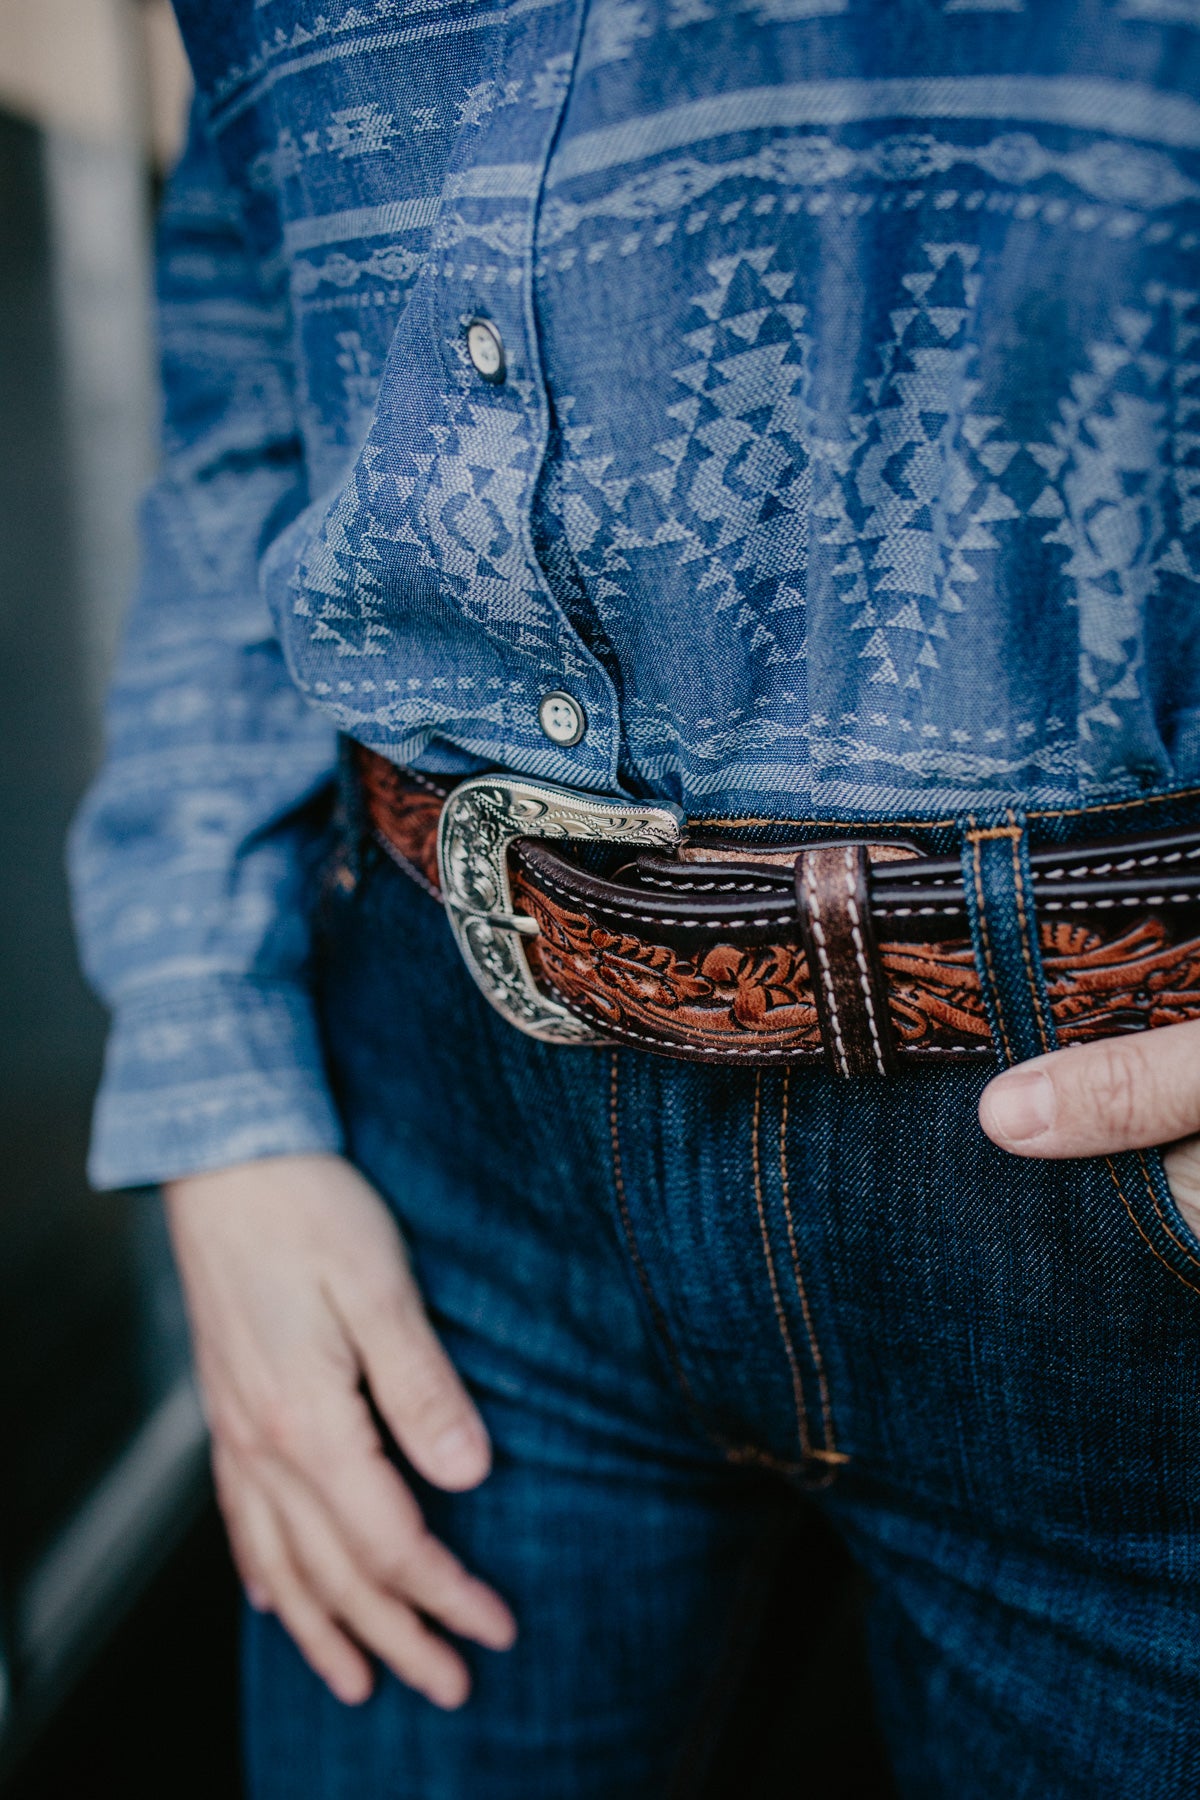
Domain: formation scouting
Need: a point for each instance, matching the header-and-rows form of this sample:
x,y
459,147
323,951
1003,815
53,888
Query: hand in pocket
x,y
1121,1093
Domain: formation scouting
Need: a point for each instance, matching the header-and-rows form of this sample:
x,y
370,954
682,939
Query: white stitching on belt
x,y
864,975
814,907
431,787
539,878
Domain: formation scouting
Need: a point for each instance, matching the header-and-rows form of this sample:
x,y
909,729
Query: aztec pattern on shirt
x,y
876,368
847,462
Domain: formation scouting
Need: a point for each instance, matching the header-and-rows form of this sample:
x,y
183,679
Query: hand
x,y
298,1290
1120,1093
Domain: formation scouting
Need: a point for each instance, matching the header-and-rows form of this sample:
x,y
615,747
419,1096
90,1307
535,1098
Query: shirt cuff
x,y
203,1074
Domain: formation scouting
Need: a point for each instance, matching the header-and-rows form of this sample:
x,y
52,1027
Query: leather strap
x,y
839,939
710,957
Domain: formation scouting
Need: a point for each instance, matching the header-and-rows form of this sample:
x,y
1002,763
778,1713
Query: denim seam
x,y
1076,812
1027,948
773,1277
781,1318
975,838
701,821
830,1453
1138,1226
542,409
1065,812
1160,1215
627,1224
734,1453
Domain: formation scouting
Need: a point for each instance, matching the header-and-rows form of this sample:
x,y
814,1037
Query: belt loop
x,y
839,942
350,818
999,893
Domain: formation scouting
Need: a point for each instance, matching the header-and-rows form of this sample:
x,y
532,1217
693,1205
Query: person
x,y
729,466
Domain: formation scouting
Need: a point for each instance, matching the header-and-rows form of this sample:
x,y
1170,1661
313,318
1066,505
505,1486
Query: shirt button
x,y
562,719
485,347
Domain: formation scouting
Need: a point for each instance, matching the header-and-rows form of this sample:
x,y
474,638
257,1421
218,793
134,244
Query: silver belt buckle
x,y
479,821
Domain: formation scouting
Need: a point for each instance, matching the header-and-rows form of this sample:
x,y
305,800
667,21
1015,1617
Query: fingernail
x,y
501,1635
449,1695
1020,1106
351,1692
494,1626
460,1455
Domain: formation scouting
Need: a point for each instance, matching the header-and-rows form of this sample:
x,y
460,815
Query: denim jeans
x,y
683,1295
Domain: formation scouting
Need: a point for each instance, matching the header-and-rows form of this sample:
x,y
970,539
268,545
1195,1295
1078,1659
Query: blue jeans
x,y
681,1296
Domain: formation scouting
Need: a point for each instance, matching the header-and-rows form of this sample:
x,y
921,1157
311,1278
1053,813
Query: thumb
x,y
1121,1093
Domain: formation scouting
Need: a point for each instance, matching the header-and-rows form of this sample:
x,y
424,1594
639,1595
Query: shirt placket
x,y
483,304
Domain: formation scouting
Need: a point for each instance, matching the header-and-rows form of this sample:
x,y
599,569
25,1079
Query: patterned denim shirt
x,y
845,464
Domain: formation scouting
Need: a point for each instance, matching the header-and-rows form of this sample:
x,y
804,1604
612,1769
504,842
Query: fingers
x,y
384,1530
291,1556
265,1565
353,1528
241,1544
1122,1093
416,1388
381,1621
1181,1165
298,1287
331,1446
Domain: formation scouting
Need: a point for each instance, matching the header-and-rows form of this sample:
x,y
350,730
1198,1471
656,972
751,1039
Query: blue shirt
x,y
846,462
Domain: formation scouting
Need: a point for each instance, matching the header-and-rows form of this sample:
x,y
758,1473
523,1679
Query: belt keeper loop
x,y
847,981
349,823
998,887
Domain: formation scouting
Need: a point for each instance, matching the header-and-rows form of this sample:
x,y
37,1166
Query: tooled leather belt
x,y
723,952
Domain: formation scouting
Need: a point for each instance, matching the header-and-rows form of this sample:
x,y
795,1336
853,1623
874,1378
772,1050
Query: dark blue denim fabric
x,y
845,466
998,886
680,1295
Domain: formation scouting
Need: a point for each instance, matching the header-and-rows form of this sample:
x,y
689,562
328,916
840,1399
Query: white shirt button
x,y
485,347
562,719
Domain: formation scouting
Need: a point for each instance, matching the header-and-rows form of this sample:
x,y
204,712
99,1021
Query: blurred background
x,y
107,1538
118,1607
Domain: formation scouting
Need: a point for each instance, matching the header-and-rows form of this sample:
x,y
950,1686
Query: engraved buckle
x,y
479,821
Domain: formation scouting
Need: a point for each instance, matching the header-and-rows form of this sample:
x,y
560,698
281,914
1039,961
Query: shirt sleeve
x,y
193,854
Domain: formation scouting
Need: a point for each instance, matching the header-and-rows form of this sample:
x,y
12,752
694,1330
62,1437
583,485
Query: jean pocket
x,y
1144,1191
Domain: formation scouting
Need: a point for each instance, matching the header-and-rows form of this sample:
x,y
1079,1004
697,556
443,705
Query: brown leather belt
x,y
710,953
